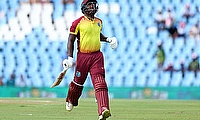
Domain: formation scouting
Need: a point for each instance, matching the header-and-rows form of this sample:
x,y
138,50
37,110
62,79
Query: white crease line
x,y
26,114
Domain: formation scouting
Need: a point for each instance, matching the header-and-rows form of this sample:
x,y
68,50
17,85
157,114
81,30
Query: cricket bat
x,y
59,78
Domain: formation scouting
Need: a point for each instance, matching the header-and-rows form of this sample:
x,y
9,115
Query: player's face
x,y
91,8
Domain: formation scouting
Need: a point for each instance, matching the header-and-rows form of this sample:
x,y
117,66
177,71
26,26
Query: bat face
x,y
59,78
61,75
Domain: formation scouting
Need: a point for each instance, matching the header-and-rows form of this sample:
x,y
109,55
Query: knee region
x,y
100,83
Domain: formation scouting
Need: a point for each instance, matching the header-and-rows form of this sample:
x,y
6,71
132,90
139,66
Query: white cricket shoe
x,y
105,114
69,106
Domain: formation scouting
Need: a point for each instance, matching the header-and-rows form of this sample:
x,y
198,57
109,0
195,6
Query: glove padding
x,y
113,42
67,63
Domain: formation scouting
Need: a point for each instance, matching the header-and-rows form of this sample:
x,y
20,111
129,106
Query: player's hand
x,y
67,63
113,42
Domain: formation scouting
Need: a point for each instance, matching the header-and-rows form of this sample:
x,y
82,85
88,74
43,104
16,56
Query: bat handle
x,y
64,70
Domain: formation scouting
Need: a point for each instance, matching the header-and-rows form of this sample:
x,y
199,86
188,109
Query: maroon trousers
x,y
92,63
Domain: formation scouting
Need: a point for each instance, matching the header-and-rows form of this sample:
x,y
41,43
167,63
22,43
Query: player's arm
x,y
103,38
67,63
70,45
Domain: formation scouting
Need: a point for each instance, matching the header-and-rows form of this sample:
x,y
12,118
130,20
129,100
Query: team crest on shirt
x,y
78,74
99,24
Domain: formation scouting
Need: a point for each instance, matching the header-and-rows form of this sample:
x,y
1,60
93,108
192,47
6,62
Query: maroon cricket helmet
x,y
89,7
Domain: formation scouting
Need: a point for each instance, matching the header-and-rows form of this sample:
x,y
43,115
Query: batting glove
x,y
113,42
67,63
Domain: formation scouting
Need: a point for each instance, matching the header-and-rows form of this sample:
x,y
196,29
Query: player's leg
x,y
76,86
74,93
97,73
101,93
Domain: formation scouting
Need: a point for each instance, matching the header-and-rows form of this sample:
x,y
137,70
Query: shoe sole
x,y
105,114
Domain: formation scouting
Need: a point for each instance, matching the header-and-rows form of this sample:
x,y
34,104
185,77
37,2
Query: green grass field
x,y
121,109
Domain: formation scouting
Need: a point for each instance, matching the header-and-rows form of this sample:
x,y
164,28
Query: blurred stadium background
x,y
33,39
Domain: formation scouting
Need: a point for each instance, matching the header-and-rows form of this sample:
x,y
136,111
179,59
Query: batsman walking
x,y
87,31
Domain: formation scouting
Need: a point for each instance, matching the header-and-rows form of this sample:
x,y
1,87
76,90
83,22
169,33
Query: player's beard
x,y
90,15
91,12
